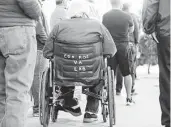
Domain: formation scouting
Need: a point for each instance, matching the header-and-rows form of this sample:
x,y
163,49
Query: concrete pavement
x,y
145,113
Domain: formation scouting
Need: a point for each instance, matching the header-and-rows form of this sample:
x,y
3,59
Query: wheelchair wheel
x,y
44,98
104,112
54,113
113,89
111,98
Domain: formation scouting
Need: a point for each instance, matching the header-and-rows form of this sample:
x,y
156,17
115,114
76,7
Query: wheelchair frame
x,y
48,96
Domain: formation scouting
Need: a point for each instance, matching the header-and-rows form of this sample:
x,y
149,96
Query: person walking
x,y
133,40
59,13
120,24
17,59
41,62
156,21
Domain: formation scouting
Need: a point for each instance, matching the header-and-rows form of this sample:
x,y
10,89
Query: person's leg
x,y
70,104
119,81
164,78
91,107
19,48
41,64
2,86
128,85
124,64
35,85
133,72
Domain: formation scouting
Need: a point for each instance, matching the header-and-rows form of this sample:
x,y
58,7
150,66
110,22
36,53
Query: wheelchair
x,y
52,80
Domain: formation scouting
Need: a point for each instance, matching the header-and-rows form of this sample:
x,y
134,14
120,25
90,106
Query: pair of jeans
x,y
41,64
18,50
164,78
92,103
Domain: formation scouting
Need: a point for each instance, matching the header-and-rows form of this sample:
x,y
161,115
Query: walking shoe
x,y
75,110
129,102
35,111
89,118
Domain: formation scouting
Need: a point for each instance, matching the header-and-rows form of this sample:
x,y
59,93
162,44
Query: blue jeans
x,y
18,50
41,64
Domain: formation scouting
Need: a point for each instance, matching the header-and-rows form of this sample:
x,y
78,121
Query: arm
x,y
48,48
109,47
131,24
136,30
31,8
149,15
40,32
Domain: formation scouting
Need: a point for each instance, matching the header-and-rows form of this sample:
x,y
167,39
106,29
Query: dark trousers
x,y
92,103
164,78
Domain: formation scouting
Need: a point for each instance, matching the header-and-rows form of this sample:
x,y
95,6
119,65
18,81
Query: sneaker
x,y
89,118
75,110
35,114
129,102
35,111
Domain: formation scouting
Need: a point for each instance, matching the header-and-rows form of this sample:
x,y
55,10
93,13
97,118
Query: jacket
x,y
156,17
79,45
19,12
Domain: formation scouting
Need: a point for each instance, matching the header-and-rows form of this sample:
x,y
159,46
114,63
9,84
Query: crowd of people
x,y
26,44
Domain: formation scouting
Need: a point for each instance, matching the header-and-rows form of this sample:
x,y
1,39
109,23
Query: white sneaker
x,y
129,102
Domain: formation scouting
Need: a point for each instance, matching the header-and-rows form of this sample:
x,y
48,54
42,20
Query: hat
x,y
78,8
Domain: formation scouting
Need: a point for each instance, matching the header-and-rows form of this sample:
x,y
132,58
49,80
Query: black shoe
x,y
129,101
35,112
89,118
75,110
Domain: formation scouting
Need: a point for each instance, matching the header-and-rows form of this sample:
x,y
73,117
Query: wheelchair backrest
x,y
77,62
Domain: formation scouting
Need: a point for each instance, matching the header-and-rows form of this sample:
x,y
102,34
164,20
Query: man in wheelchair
x,y
91,40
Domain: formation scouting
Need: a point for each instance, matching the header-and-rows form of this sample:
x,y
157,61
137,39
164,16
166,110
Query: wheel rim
x,y
110,97
44,99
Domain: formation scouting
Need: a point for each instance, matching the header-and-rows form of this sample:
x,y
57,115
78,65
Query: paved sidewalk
x,y
145,113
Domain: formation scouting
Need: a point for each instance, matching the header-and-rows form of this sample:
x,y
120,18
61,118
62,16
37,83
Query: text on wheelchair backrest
x,y
77,60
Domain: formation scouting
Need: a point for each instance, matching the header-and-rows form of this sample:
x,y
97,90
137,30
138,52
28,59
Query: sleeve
x,y
109,47
149,15
136,29
40,32
48,48
31,8
130,21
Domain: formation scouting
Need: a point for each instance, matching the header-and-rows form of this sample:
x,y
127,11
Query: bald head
x,y
126,7
116,3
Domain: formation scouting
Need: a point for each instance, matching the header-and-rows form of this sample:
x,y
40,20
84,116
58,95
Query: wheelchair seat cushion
x,y
78,62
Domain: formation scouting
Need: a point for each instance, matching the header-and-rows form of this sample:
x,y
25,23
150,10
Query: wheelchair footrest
x,y
86,92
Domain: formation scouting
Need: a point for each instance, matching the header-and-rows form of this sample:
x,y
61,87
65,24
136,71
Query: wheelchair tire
x,y
54,114
44,107
104,113
110,97
113,89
